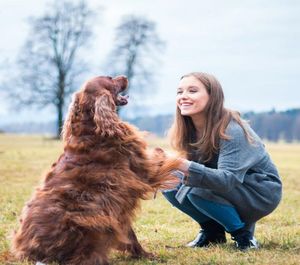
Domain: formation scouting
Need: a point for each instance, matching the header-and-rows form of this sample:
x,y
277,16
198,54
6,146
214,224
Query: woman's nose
x,y
184,94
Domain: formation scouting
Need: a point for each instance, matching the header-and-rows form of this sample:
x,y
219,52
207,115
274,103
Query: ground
x,y
161,229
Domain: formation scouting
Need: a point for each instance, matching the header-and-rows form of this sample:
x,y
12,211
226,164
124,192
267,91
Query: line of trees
x,y
272,126
275,126
49,67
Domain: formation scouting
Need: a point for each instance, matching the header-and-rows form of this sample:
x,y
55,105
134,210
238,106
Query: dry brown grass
x,y
160,228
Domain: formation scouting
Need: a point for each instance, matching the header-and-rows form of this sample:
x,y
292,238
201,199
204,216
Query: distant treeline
x,y
272,125
275,126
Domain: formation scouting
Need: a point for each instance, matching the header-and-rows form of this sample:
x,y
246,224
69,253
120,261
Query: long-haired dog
x,y
87,202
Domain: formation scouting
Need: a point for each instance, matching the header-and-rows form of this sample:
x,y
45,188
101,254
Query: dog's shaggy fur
x,y
87,202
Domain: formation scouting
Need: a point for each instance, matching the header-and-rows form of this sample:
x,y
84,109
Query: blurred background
x,y
49,48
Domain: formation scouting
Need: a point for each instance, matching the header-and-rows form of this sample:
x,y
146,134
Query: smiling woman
x,y
228,181
192,97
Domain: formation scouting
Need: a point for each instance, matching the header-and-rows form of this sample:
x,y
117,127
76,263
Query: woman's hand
x,y
184,166
184,163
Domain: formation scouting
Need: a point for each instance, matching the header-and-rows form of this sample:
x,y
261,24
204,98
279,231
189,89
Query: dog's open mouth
x,y
122,100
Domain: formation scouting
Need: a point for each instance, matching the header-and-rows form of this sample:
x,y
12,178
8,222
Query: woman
x,y
229,181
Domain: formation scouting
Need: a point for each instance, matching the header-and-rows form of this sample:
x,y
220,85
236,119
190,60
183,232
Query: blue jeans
x,y
203,210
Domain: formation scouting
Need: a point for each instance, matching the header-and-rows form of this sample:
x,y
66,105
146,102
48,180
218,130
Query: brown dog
x,y
88,200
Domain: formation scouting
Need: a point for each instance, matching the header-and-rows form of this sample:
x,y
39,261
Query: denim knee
x,y
170,196
225,215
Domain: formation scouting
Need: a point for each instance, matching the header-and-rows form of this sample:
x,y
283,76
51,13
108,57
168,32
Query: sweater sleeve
x,y
236,157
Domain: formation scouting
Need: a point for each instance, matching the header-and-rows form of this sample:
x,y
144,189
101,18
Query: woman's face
x,y
192,96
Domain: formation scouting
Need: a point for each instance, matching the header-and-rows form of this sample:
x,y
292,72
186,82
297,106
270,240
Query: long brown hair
x,y
183,133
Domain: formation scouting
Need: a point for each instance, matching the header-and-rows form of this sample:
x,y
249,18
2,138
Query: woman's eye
x,y
179,92
193,91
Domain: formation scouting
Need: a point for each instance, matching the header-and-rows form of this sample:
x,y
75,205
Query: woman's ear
x,y
73,113
105,117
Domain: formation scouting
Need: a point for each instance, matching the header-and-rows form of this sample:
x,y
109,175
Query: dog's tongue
x,y
122,100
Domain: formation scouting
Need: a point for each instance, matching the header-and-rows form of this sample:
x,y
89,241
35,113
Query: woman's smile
x,y
185,104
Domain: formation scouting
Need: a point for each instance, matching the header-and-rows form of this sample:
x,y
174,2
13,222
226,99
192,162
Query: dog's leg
x,y
90,252
135,248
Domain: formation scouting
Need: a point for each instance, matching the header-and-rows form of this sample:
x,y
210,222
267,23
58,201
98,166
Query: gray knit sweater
x,y
244,176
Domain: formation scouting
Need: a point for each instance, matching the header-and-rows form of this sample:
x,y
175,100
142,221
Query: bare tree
x,y
135,52
49,62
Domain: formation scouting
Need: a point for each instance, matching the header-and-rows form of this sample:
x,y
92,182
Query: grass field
x,y
160,228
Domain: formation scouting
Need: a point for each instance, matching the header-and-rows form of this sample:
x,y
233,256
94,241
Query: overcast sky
x,y
251,46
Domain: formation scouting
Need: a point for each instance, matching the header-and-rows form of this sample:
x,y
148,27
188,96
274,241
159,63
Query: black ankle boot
x,y
244,240
211,233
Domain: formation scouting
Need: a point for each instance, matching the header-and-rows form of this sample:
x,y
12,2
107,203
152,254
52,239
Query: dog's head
x,y
93,108
106,86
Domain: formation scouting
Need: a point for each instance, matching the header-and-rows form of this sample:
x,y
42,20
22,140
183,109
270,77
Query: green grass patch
x,y
161,229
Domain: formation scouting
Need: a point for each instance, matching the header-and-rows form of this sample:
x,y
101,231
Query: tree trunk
x,y
60,103
59,120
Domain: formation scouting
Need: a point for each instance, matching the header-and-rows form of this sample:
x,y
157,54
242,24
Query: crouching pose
x,y
228,179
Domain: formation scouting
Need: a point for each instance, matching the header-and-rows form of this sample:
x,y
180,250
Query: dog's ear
x,y
73,113
105,117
